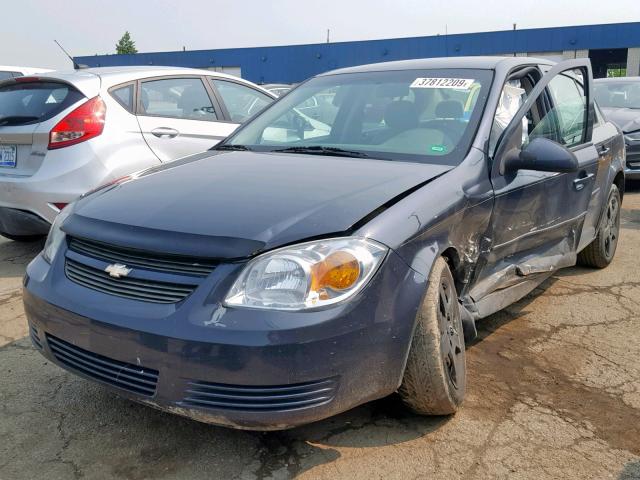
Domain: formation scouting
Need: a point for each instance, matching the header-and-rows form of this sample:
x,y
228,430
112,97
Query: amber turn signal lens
x,y
338,271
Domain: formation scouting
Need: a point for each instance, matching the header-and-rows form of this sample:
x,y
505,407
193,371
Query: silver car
x,y
65,133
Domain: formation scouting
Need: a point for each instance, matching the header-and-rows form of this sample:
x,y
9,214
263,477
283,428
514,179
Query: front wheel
x,y
600,252
435,377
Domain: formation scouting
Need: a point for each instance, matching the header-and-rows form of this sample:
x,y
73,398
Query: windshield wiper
x,y
237,148
16,119
320,150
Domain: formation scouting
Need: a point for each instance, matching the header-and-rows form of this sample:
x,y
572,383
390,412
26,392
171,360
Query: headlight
x,y
308,275
56,236
634,136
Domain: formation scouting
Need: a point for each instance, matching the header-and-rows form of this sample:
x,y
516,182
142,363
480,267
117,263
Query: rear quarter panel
x,y
121,148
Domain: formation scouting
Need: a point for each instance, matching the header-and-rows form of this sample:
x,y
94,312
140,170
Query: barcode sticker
x,y
455,83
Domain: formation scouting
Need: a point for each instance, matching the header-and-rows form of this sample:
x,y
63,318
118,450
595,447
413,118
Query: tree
x,y
126,45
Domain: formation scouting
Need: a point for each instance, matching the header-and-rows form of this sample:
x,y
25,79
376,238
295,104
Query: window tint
x,y
448,108
177,97
124,96
565,122
34,102
570,107
410,115
242,102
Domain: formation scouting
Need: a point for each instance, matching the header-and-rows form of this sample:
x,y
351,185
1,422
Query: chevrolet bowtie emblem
x,y
117,270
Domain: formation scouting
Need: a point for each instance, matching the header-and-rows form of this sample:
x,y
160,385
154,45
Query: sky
x,y
89,27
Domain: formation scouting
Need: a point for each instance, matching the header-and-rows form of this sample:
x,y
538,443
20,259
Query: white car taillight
x,y
85,122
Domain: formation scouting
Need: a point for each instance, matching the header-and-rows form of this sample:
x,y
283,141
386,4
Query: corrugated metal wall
x,y
294,63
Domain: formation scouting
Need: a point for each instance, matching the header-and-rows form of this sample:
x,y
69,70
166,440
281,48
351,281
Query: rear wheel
x,y
434,380
600,252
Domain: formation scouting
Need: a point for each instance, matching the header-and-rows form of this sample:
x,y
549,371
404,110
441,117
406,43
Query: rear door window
x,y
184,98
34,102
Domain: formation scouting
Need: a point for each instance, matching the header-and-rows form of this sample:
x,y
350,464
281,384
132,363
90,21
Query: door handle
x,y
579,183
603,149
165,132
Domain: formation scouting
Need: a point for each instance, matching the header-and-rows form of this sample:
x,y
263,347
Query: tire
x,y
22,238
434,379
600,252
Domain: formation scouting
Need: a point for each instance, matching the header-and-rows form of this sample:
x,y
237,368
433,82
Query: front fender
x,y
449,215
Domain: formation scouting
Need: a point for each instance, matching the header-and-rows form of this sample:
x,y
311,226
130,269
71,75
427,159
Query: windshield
x,y
618,94
410,115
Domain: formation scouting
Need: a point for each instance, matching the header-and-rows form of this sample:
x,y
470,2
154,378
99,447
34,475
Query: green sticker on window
x,y
438,148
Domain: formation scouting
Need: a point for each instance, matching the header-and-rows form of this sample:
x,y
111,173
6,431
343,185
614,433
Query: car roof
x,y
480,63
110,76
118,74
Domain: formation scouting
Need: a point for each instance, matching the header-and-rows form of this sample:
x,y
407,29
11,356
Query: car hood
x,y
627,119
235,204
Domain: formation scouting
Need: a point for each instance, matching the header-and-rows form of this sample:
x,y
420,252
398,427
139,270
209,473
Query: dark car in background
x,y
619,99
303,267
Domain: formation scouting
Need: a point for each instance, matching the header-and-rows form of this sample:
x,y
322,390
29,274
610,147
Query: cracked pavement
x,y
554,392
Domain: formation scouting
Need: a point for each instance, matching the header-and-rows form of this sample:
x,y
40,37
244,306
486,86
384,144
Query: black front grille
x,y
127,287
259,398
126,376
147,260
633,157
633,162
35,337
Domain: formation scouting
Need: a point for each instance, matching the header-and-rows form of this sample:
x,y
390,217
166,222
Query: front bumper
x,y
241,368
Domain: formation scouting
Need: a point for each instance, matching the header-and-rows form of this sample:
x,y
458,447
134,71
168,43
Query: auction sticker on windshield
x,y
456,83
8,155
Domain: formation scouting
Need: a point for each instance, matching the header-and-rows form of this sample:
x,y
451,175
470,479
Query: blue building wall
x,y
294,63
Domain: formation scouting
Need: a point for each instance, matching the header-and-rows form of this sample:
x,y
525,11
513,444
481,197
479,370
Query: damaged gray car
x,y
308,265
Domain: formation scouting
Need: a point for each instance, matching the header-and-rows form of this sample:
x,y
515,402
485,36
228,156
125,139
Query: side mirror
x,y
542,155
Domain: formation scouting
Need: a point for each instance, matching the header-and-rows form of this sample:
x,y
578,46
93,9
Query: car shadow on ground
x,y
87,409
16,255
630,218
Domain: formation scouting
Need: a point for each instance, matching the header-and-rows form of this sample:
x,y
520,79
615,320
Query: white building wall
x,y
633,62
553,56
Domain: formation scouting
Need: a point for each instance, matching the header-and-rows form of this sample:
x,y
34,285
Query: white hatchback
x,y
65,133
